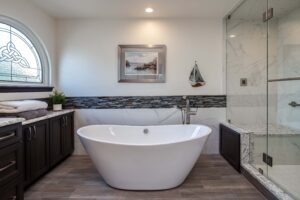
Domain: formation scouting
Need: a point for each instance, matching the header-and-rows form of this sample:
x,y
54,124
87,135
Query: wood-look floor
x,y
76,178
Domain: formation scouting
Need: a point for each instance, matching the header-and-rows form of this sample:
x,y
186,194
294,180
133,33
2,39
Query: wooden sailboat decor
x,y
196,80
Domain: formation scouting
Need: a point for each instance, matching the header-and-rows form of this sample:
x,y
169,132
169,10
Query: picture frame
x,y
142,63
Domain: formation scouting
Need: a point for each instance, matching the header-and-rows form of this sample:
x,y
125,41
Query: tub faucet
x,y
187,112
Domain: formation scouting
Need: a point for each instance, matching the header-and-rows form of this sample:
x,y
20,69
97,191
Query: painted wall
x,y
42,25
88,55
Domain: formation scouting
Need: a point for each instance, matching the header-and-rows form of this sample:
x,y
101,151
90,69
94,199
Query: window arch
x,y
23,58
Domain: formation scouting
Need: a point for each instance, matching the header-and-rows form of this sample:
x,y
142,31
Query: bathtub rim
x,y
206,134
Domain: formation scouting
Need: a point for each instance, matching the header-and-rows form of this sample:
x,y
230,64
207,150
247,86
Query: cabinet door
x,y
56,140
39,149
12,190
27,133
68,146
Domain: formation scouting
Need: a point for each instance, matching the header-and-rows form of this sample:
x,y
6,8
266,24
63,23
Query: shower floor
x,y
286,176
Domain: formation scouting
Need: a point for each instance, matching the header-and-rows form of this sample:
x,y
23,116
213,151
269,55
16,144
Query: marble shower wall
x,y
289,66
246,58
206,116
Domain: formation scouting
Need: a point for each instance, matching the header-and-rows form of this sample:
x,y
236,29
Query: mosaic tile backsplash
x,y
140,102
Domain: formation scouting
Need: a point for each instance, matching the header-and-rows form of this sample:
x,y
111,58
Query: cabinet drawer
x,y
13,190
10,162
10,134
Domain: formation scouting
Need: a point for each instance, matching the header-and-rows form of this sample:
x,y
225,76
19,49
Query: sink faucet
x,y
187,111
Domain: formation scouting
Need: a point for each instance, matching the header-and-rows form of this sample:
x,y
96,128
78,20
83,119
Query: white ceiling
x,y
135,8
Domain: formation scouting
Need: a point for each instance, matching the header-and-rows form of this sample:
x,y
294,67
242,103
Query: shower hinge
x,y
268,15
260,170
268,159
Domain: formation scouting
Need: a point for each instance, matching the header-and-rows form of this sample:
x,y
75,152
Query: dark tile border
x,y
149,102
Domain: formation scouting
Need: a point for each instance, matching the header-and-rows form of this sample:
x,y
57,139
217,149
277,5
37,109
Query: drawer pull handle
x,y
13,198
7,137
11,163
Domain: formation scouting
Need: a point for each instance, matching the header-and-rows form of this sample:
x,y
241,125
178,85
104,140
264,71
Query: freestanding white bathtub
x,y
144,157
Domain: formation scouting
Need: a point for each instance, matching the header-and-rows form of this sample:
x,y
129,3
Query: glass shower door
x,y
284,95
247,75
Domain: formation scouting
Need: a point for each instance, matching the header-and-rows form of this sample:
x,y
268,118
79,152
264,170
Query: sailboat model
x,y
196,80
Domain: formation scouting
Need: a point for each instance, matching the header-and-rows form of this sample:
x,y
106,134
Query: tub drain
x,y
146,131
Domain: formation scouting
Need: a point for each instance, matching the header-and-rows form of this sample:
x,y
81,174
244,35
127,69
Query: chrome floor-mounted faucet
x,y
187,112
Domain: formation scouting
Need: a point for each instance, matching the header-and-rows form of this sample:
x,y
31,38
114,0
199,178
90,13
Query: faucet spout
x,y
188,112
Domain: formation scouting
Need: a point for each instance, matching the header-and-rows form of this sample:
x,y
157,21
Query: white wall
x,y
42,25
88,66
88,52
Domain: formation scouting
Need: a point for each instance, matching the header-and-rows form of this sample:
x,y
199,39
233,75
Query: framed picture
x,y
142,63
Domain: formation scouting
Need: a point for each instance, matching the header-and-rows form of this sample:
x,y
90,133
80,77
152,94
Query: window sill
x,y
13,89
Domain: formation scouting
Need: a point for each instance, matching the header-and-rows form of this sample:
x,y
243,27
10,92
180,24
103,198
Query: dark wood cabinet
x,y
56,140
28,152
46,143
68,132
61,138
12,190
230,146
36,150
11,164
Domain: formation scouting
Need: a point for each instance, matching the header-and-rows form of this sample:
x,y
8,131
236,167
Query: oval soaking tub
x,y
144,157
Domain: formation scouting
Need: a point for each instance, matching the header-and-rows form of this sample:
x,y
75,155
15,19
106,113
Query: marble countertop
x,y
274,129
10,121
49,115
236,128
13,120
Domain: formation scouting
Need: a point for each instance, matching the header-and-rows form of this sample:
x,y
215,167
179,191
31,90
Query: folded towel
x,y
21,106
27,114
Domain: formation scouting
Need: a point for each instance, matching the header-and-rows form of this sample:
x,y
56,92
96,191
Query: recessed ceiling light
x,y
232,36
149,10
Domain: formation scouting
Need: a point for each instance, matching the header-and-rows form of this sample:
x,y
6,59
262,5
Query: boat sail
x,y
196,80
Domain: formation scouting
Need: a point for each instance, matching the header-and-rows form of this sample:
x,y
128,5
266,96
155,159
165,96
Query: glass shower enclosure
x,y
263,85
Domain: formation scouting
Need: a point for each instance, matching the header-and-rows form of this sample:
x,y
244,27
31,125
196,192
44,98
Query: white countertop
x,y
10,121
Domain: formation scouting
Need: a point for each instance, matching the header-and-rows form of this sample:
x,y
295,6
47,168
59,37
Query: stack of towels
x,y
27,109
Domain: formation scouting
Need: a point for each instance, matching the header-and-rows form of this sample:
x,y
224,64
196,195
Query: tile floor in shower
x,y
76,178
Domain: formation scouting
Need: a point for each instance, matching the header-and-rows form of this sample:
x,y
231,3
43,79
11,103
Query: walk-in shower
x,y
263,85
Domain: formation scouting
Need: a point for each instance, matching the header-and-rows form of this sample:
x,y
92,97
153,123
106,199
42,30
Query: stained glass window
x,y
20,62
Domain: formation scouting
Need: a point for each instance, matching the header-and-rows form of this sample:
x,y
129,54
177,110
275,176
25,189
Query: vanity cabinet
x,y
11,164
36,150
46,143
62,138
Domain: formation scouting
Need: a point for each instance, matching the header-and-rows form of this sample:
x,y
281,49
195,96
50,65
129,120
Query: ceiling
x,y
66,9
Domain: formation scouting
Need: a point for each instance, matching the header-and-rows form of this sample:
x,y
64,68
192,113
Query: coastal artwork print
x,y
142,63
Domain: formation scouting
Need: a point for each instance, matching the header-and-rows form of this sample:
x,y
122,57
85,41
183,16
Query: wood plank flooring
x,y
76,178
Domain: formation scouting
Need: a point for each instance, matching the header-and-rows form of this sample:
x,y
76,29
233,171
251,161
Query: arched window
x,y
23,58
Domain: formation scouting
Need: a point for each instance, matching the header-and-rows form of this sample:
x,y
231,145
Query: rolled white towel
x,y
21,106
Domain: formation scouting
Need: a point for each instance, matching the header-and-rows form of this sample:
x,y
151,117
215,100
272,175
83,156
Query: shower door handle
x,y
294,104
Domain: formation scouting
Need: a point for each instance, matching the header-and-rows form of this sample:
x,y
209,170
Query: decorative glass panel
x,y
19,60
